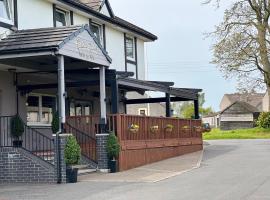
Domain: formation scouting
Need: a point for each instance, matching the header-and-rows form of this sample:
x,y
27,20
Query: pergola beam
x,y
154,100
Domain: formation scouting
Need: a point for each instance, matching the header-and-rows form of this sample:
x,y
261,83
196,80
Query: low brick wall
x,y
138,153
20,166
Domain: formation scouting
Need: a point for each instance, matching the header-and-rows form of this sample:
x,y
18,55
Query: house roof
x,y
44,39
248,107
254,99
113,19
94,4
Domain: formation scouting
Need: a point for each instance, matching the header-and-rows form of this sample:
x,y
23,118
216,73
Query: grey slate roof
x,y
248,107
43,39
254,99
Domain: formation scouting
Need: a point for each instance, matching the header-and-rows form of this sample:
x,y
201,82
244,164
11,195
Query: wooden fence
x,y
146,139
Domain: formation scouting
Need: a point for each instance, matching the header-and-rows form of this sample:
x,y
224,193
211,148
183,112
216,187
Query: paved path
x,y
230,170
151,173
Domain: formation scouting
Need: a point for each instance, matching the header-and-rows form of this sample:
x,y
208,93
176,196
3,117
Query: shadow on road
x,y
213,151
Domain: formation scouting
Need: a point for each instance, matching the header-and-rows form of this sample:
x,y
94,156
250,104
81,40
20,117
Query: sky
x,y
181,54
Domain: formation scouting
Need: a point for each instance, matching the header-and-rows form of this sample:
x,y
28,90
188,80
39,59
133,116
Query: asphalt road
x,y
230,169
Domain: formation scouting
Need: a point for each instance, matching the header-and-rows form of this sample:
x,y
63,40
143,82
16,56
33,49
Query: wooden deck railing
x,y
121,124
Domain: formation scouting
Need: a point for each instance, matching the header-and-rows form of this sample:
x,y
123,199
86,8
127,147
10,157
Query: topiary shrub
x,y
17,127
72,152
264,120
55,123
113,146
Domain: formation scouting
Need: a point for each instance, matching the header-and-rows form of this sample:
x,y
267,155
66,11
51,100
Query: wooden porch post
x,y
102,98
61,92
196,109
168,105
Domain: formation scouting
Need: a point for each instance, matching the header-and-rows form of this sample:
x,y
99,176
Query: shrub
x,y
72,152
55,123
17,127
264,120
113,146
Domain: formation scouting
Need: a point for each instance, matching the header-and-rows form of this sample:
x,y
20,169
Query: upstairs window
x,y
61,18
97,31
130,48
6,11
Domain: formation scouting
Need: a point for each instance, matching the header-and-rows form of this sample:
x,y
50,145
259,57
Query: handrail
x,y
87,142
33,141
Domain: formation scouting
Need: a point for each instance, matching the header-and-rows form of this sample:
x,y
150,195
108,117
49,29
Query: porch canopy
x,y
120,83
56,50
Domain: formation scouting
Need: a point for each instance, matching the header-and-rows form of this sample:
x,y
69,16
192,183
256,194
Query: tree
x,y
242,41
186,109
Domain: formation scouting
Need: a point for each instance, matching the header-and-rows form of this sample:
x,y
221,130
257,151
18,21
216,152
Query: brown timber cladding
x,y
145,147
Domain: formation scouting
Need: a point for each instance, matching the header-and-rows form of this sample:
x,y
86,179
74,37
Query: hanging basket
x,y
154,129
169,128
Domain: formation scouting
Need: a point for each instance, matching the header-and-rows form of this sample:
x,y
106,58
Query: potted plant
x,y
134,128
17,130
55,123
169,128
113,150
154,129
72,155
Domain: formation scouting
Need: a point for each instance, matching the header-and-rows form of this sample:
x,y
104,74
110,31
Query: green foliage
x,y
72,152
55,123
113,146
17,126
264,120
186,109
254,133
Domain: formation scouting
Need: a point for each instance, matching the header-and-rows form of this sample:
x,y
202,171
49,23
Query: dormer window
x,y
6,11
61,18
130,48
97,31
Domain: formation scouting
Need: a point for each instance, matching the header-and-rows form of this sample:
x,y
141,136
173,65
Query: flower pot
x,y
72,174
112,166
17,143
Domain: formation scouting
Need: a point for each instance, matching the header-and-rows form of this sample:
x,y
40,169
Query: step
x,y
82,172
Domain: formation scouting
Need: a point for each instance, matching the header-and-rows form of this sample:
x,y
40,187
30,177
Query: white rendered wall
x,y
115,48
141,59
79,19
34,14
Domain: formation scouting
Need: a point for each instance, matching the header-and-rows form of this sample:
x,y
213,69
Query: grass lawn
x,y
255,133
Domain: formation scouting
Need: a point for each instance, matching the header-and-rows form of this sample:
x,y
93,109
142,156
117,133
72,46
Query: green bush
x,y
264,120
113,146
72,152
17,127
55,123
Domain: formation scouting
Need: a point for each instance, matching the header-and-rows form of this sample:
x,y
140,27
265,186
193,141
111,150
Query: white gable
x,y
104,10
84,47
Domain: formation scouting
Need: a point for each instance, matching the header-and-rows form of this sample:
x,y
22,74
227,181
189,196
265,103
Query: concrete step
x,y
86,171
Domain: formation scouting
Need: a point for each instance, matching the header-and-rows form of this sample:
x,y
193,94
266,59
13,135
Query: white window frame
x,y
128,37
39,123
100,31
11,13
66,13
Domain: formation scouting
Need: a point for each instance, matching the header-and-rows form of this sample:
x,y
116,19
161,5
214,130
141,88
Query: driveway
x,y
230,169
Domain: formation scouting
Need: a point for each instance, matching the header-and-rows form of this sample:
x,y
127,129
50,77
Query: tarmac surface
x,y
230,169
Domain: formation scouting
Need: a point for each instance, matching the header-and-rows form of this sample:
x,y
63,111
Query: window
x,y
130,48
143,111
40,109
6,11
96,30
61,18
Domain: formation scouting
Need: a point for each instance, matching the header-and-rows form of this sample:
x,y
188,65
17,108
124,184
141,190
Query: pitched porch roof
x,y
76,42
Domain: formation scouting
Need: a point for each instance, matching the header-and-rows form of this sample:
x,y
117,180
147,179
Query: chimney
x,y
94,4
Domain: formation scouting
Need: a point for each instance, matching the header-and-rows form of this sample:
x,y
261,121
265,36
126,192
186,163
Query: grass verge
x,y
255,133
